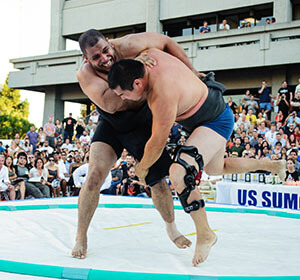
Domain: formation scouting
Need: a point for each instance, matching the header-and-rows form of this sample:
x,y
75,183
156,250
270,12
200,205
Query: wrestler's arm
x,y
136,43
164,111
97,90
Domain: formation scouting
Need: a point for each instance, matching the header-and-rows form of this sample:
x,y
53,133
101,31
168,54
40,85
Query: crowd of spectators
x,y
224,26
53,160
256,136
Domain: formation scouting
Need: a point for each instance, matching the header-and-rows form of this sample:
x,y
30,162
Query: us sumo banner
x,y
261,195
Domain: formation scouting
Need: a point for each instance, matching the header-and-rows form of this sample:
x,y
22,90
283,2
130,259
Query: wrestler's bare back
x,y
171,80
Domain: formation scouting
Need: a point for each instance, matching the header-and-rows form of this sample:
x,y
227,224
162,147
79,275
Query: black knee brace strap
x,y
189,178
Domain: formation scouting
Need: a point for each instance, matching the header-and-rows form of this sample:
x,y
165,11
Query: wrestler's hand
x,y
141,173
200,75
146,60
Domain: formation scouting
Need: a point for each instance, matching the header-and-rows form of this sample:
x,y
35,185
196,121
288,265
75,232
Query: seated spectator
x,y
297,133
182,140
130,161
247,150
85,138
224,25
243,120
271,134
175,132
292,140
278,138
237,149
259,144
252,104
263,145
67,145
262,129
291,174
49,150
265,153
39,177
63,173
5,185
232,105
254,139
58,143
283,135
131,186
22,171
251,117
289,130
293,154
245,98
80,175
18,183
205,28
277,149
260,119
53,177
284,153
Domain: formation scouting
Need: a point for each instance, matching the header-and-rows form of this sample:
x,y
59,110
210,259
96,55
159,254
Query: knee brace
x,y
189,178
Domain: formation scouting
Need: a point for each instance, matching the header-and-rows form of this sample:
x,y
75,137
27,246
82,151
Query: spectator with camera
x,y
131,186
284,98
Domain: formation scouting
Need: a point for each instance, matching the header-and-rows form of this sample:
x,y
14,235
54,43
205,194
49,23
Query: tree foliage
x,y
13,113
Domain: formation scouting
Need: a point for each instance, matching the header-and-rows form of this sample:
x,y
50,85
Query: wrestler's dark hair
x,y
124,72
89,39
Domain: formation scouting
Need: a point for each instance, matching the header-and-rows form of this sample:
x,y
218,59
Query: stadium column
x,y
54,106
282,11
153,23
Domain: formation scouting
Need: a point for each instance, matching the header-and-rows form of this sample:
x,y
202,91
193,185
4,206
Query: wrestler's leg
x,y
163,202
101,159
207,142
218,166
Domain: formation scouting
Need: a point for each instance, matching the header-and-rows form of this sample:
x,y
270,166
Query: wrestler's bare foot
x,y
80,248
279,169
182,242
203,246
179,240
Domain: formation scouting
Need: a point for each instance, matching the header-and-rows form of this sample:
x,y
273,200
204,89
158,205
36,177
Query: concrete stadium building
x,y
241,58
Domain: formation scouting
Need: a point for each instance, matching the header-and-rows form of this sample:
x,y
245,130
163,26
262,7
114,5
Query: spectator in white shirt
x,y
46,148
5,185
224,25
271,134
85,138
67,145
